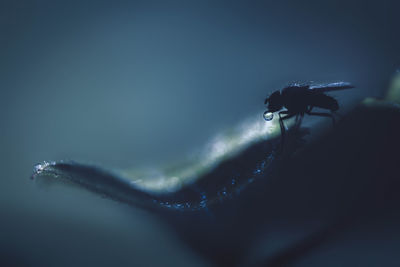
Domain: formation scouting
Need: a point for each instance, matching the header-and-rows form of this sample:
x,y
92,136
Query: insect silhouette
x,y
300,99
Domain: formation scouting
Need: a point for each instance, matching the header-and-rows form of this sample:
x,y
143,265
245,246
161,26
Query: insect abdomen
x,y
324,101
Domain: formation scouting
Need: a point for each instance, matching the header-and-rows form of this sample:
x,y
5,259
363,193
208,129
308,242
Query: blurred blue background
x,y
137,83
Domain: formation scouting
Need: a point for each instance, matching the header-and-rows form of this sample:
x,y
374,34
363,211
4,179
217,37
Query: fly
x,y
299,99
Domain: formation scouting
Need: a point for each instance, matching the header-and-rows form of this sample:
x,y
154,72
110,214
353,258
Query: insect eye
x,y
268,115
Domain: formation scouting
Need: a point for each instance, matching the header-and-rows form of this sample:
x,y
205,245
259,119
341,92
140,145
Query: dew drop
x,y
268,115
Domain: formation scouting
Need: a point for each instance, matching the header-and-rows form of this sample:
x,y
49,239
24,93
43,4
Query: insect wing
x,y
331,86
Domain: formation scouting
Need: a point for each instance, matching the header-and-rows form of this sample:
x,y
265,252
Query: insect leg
x,y
298,122
283,129
286,117
281,119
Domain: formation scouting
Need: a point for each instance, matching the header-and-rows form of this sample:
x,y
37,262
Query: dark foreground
x,y
333,202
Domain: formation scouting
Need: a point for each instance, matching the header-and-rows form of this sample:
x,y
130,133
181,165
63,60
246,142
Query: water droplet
x,y
40,167
203,204
268,115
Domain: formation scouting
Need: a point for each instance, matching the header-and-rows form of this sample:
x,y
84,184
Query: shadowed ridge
x,y
350,172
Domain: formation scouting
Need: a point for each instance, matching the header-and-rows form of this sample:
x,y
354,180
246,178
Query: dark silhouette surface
x,y
346,178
